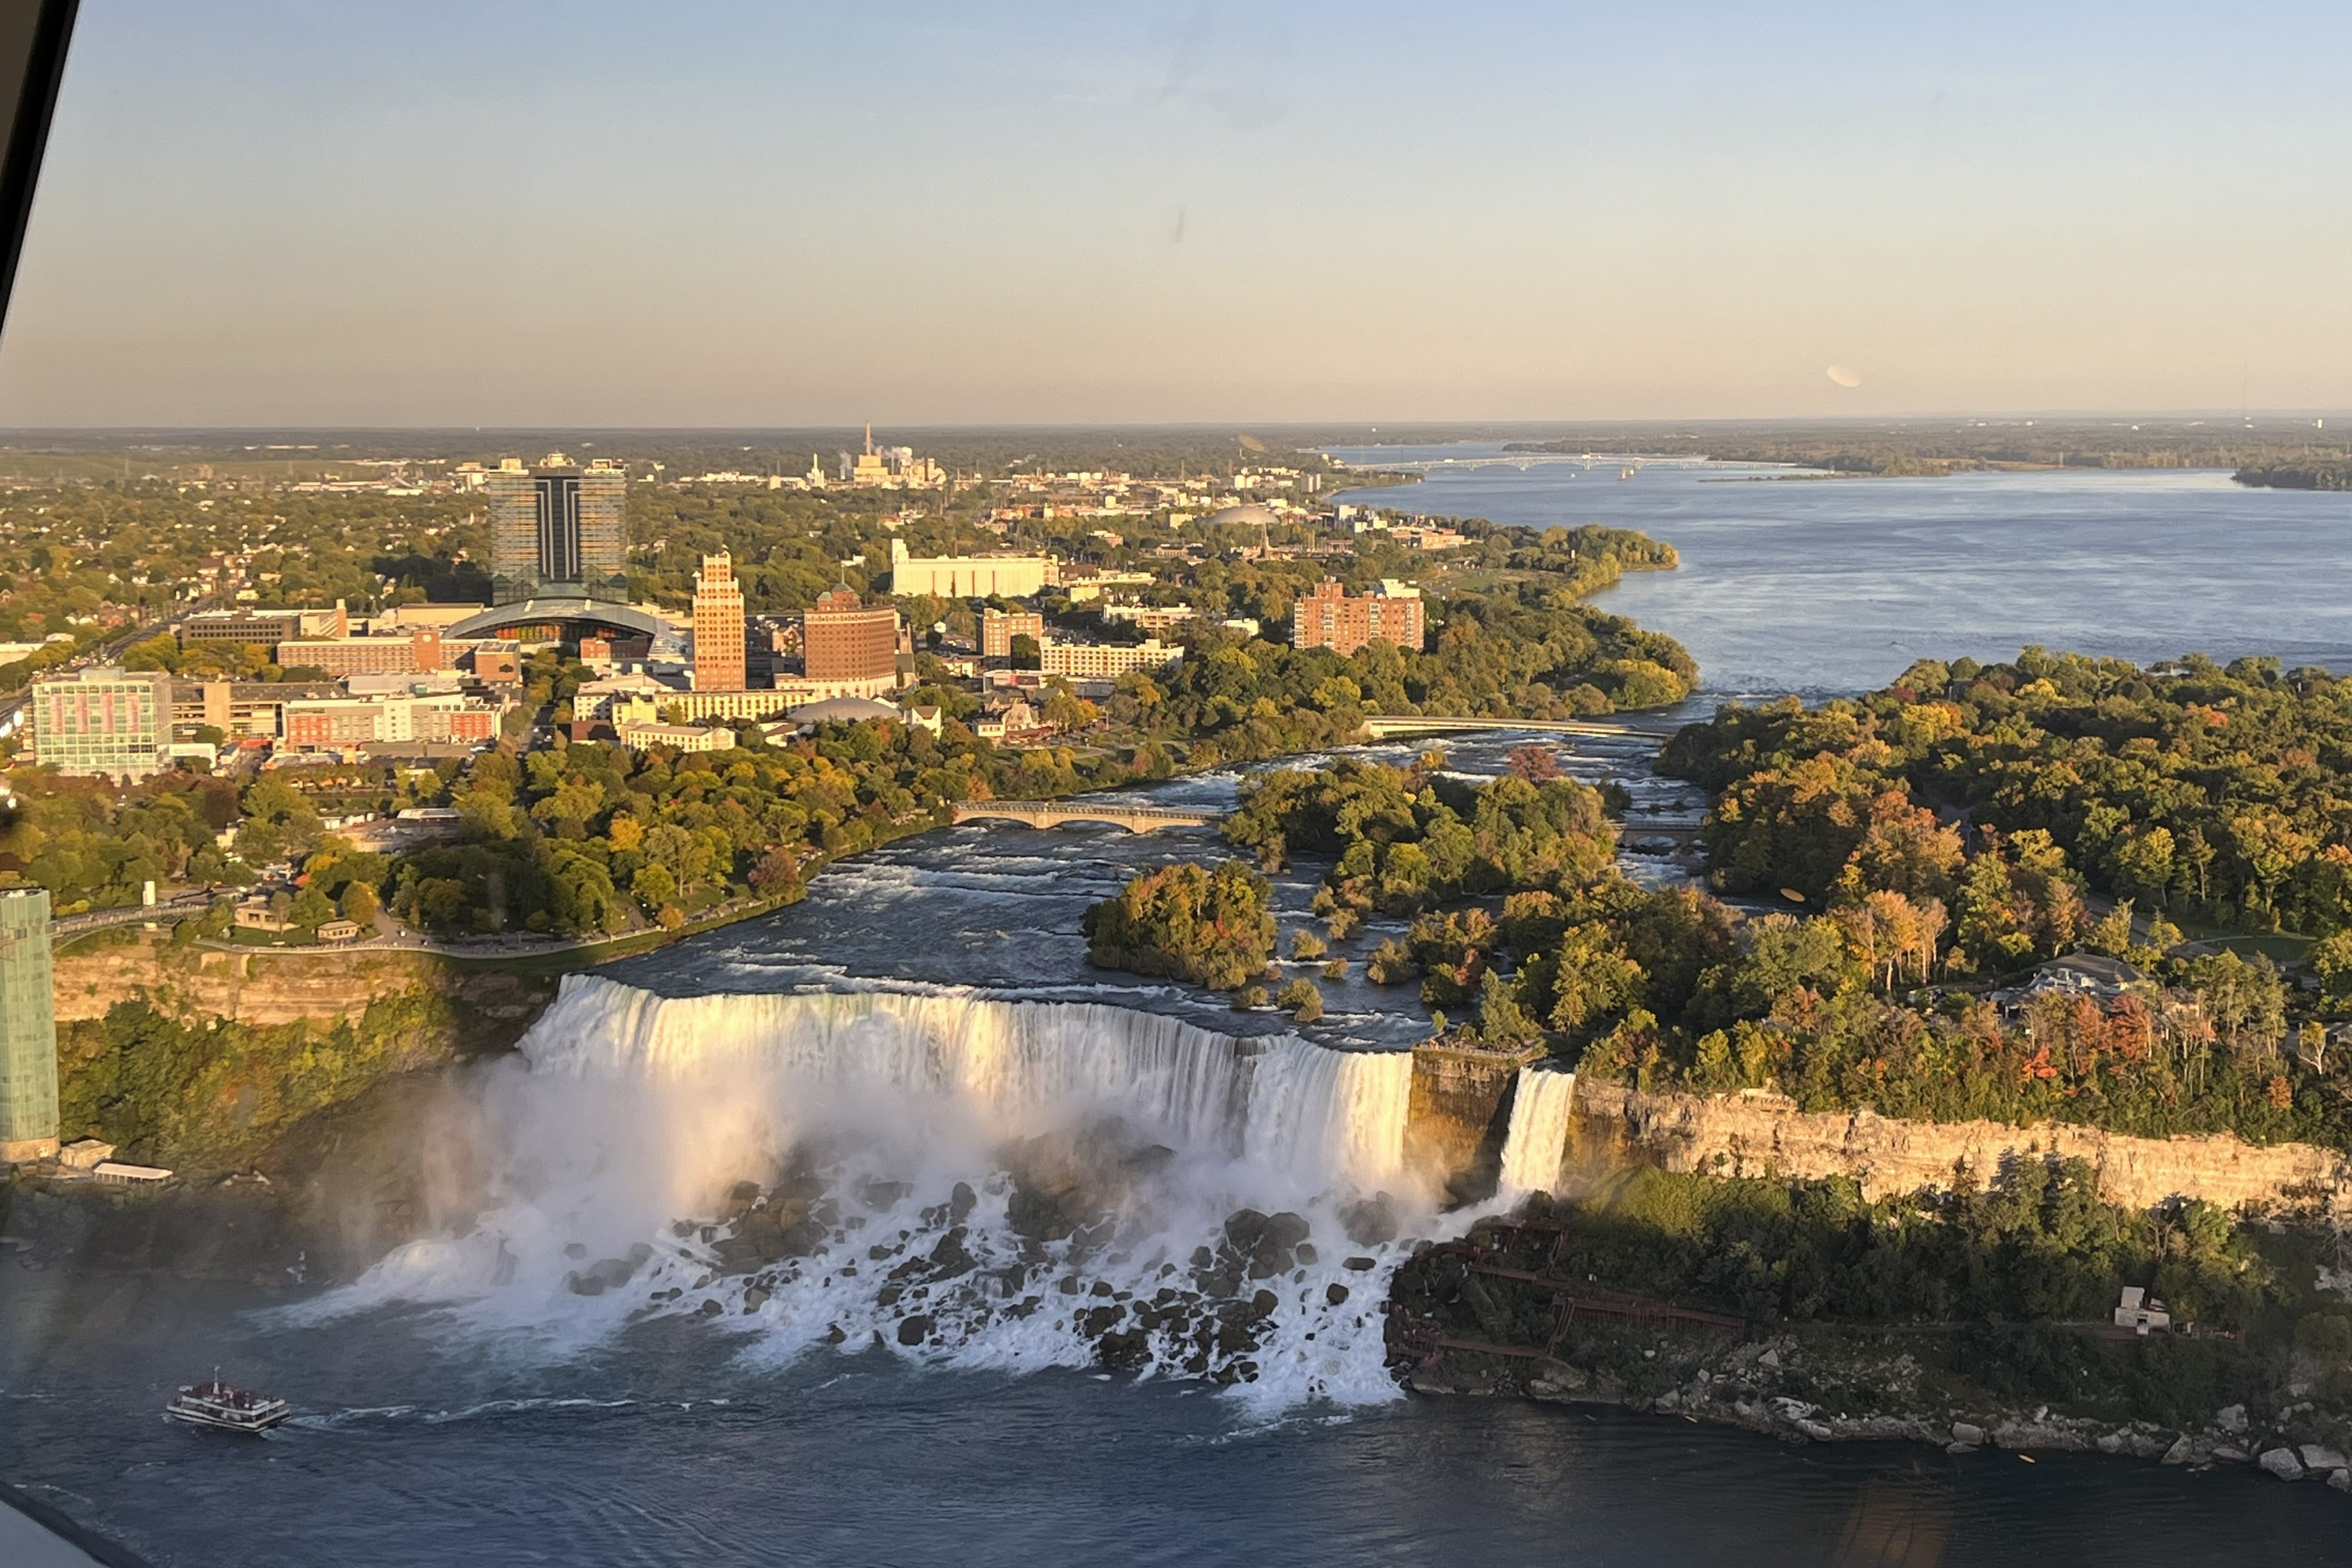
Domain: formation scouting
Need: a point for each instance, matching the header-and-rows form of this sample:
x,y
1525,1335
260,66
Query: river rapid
x,y
886,1349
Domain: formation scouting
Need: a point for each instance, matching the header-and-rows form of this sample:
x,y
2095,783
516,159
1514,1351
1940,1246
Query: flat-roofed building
x,y
1104,660
1153,619
103,721
1329,616
638,737
240,710
261,628
718,664
349,723
418,650
844,639
28,1029
972,576
999,627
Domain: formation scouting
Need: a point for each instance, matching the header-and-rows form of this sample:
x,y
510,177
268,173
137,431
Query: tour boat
x,y
216,1404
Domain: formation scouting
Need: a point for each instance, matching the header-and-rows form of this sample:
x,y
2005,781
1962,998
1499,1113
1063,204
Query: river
x,y
929,1002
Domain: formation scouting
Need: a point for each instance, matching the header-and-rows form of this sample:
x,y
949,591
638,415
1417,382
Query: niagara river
x,y
783,1245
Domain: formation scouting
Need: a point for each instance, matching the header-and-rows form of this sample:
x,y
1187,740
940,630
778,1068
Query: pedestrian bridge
x,y
1054,813
1403,726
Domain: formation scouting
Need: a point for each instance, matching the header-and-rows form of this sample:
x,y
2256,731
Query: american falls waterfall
x,y
1536,1140
960,1179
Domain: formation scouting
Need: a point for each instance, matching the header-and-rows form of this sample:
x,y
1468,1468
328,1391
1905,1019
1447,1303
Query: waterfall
x,y
966,1179
1537,1143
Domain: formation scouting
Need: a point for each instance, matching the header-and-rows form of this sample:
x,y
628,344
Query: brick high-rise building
x,y
718,627
558,532
843,639
999,627
1329,617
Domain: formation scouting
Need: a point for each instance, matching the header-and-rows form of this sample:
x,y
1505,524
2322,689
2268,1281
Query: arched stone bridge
x,y
1053,812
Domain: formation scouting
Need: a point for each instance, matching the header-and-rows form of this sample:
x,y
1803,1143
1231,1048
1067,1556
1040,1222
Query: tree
x,y
309,908
1301,1000
1215,928
360,903
1536,764
1503,1023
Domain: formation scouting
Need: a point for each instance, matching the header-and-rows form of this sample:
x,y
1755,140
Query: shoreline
x,y
1748,1373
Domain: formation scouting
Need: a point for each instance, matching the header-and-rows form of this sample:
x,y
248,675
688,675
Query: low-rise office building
x,y
1105,662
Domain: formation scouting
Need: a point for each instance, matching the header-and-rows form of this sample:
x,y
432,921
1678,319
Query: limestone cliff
x,y
199,1058
1753,1132
267,985
1460,1111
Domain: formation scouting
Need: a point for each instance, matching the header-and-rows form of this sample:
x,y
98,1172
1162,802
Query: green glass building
x,y
28,1029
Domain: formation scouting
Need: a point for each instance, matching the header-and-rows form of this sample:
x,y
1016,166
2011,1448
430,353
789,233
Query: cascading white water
x,y
1537,1143
976,1181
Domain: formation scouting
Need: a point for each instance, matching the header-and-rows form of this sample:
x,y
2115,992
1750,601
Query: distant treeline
x,y
2332,474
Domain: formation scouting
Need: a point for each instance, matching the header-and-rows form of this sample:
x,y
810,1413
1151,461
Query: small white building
x,y
118,1174
85,1154
2142,1314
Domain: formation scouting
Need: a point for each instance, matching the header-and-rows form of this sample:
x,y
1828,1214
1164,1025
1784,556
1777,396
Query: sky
x,y
337,213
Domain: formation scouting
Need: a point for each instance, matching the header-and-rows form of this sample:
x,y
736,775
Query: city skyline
x,y
735,216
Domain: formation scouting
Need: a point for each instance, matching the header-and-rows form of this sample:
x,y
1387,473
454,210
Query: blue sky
x,y
499,213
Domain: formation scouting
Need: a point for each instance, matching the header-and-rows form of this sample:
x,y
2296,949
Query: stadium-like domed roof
x,y
843,710
1249,514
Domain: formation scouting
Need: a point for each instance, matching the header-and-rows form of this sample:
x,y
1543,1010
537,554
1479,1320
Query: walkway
x,y
1395,726
1052,814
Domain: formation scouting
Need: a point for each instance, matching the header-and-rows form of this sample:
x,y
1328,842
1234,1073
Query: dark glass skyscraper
x,y
558,532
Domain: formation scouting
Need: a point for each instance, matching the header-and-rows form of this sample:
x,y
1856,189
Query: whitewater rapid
x,y
961,1179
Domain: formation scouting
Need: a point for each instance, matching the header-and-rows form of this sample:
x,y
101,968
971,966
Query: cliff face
x,y
1460,1111
199,1059
274,987
1748,1134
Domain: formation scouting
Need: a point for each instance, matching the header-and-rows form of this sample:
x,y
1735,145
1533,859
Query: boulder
x,y
2281,1463
2318,1457
1968,1432
2340,1479
2178,1453
1360,1264
1336,1294
2231,1418
1370,1222
1243,1229
914,1329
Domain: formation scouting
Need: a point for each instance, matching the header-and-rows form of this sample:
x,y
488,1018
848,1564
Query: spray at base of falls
x,y
1537,1142
967,1180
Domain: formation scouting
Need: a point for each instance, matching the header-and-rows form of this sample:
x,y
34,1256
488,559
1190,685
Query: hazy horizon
x,y
522,217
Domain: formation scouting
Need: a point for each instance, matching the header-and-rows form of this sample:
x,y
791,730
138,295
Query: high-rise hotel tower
x,y
557,531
